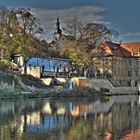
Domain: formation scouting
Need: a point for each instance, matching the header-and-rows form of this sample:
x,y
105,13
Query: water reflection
x,y
76,119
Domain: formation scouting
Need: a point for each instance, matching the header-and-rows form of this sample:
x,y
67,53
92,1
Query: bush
x,y
5,65
5,88
104,89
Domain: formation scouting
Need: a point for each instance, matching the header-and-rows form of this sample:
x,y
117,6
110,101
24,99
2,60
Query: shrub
x,y
5,65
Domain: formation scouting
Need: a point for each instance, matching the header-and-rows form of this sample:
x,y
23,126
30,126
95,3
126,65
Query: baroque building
x,y
120,63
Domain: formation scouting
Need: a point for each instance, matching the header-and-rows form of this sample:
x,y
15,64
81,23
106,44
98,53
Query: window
x,y
129,62
129,73
136,73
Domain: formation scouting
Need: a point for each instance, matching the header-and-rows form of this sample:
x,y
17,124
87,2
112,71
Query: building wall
x,y
102,66
124,71
19,60
135,72
34,71
119,71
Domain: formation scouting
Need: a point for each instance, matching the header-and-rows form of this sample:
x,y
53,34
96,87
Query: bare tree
x,y
73,27
92,34
25,20
95,34
3,13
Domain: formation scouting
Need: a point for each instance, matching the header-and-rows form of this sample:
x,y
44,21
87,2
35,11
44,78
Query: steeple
x,y
58,26
58,33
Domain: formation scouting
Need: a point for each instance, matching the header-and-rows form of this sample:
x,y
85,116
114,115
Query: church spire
x,y
58,26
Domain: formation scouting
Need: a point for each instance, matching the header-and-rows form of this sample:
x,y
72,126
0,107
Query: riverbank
x,y
52,93
25,86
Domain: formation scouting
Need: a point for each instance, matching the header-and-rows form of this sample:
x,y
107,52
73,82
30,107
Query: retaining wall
x,y
105,83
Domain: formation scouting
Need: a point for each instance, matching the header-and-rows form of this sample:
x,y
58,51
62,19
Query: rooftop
x,y
131,46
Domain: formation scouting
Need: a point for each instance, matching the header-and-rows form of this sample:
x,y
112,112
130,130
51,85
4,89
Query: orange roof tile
x,y
115,49
131,46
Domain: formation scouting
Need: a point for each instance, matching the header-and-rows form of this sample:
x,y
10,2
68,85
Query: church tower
x,y
58,26
58,32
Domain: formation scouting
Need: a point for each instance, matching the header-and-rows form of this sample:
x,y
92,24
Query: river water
x,y
112,118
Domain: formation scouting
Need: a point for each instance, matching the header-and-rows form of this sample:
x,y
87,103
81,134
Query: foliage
x,y
92,35
75,50
9,85
5,88
5,50
23,45
18,30
82,40
40,48
5,65
82,127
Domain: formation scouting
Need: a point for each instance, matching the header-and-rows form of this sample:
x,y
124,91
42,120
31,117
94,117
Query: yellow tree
x,y
76,51
19,28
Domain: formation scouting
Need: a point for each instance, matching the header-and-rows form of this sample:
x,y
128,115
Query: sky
x,y
120,15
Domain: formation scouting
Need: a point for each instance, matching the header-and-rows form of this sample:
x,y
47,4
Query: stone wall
x,y
105,83
100,83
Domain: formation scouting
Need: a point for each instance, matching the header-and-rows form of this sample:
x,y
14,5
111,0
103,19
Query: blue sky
x,y
121,15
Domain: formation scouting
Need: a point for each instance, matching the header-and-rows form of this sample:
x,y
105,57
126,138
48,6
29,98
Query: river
x,y
112,118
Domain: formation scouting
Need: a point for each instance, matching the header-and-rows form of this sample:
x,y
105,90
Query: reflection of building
x,y
101,118
131,135
47,109
122,116
33,118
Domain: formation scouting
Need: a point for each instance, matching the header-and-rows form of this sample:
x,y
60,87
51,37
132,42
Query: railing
x,y
58,74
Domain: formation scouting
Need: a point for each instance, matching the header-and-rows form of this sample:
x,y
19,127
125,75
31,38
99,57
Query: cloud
x,y
85,14
131,34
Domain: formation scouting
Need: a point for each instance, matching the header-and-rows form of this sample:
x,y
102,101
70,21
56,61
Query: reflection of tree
x,y
81,130
64,127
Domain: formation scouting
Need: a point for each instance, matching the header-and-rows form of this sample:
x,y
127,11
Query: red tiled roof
x,y
131,46
115,49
